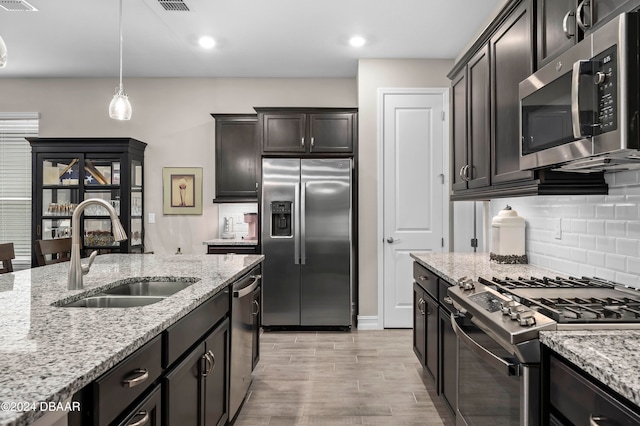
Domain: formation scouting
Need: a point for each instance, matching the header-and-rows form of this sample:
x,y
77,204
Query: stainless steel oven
x,y
499,352
581,112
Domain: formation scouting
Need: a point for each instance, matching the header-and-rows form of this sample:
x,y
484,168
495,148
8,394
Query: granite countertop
x,y
452,266
230,242
610,356
47,353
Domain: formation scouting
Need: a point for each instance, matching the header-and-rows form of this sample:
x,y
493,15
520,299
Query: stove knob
x,y
526,318
514,311
506,305
468,285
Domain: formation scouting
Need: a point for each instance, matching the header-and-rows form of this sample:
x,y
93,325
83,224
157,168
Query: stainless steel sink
x,y
113,301
150,288
133,292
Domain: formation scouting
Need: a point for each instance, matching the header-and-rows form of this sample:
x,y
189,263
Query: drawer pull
x,y
595,421
142,374
448,300
423,278
143,421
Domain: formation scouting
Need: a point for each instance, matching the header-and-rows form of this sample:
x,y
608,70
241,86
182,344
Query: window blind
x,y
15,184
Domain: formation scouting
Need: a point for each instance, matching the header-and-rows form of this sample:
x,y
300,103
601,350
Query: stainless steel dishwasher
x,y
242,329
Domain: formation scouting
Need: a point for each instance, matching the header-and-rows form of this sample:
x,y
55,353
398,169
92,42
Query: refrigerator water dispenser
x,y
281,219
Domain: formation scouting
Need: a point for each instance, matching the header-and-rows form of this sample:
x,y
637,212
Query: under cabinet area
x,y
307,130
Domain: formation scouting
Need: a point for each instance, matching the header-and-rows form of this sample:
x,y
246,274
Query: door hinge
x,y
442,243
474,242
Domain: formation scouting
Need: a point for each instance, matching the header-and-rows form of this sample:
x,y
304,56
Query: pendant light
x,y
120,107
3,53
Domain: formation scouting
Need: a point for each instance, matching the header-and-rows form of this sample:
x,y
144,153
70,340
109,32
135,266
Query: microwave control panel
x,y
606,81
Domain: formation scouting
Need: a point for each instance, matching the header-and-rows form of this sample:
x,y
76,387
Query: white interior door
x,y
415,206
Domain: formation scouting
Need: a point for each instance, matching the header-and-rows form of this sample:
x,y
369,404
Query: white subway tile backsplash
x,y
605,211
600,233
616,228
627,246
596,227
616,262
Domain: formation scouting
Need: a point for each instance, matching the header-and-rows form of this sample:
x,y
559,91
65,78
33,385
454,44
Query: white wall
x,y
600,234
374,74
172,115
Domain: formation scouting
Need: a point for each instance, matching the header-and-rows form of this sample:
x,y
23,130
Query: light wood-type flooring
x,y
340,378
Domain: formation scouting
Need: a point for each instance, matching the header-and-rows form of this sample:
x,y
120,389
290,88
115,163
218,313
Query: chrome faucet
x,y
77,269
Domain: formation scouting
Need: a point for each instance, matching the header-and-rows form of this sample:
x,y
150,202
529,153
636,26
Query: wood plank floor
x,y
340,378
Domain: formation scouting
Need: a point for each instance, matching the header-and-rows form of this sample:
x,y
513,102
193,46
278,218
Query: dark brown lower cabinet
x,y
425,335
148,412
195,390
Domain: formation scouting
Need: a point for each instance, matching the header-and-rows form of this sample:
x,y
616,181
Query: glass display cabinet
x,y
68,171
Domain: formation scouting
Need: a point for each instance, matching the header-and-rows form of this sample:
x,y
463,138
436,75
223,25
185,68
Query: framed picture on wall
x,y
182,190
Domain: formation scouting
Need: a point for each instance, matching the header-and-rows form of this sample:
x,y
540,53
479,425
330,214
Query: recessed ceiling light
x,y
357,41
206,42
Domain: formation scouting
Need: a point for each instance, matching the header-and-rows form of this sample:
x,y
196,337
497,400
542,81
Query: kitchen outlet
x,y
557,228
152,218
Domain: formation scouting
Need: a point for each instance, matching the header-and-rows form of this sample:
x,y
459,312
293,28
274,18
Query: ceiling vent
x,y
172,5
17,6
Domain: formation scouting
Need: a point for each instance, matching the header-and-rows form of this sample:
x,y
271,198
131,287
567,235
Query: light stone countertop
x,y
230,242
47,353
610,356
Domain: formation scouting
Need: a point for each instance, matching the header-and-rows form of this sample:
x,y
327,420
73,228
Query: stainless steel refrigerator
x,y
306,240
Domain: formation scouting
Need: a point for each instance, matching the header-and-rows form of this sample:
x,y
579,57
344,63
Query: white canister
x,y
507,237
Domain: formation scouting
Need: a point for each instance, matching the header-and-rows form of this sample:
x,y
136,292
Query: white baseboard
x,y
368,323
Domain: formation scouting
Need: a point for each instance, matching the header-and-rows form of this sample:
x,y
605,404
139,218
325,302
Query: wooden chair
x,y
6,254
53,251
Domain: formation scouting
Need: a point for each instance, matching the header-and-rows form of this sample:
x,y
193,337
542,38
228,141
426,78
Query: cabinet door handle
x,y
312,142
208,364
565,24
212,356
420,303
302,142
143,421
468,172
257,306
461,172
579,19
141,374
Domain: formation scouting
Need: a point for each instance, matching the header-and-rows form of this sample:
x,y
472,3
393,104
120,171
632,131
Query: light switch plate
x,y
152,218
557,228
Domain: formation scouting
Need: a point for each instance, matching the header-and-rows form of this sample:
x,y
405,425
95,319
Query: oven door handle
x,y
505,367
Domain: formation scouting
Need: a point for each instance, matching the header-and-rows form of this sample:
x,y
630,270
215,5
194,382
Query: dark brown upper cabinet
x,y
562,23
237,153
301,131
511,51
471,125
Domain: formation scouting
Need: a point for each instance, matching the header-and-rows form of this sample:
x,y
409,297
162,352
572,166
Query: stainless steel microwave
x,y
580,112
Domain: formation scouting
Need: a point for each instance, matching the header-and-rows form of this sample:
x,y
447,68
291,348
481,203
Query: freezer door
x,y
325,247
281,269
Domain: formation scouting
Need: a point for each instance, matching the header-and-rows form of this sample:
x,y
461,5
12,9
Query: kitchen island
x,y
48,352
610,356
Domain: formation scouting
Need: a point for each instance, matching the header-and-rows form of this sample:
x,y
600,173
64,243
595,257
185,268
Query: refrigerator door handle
x,y
303,224
296,225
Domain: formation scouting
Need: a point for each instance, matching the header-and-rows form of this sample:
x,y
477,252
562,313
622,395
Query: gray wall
x,y
172,117
372,75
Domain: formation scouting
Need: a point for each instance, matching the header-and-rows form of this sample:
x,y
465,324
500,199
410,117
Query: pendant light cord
x,y
120,29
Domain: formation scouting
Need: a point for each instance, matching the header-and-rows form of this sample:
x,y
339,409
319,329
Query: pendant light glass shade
x,y
3,53
120,107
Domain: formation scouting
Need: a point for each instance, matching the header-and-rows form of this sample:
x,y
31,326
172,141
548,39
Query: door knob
x,y
390,240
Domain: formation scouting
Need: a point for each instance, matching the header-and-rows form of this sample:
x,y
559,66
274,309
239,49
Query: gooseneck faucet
x,y
77,269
